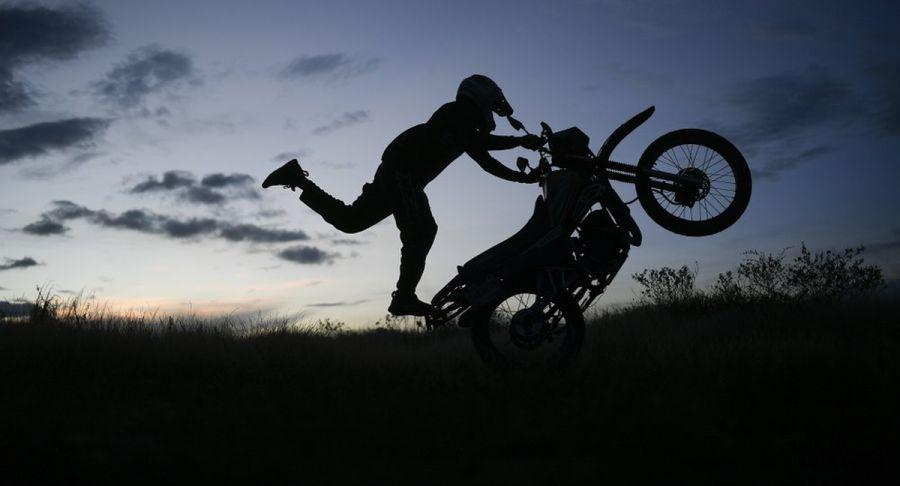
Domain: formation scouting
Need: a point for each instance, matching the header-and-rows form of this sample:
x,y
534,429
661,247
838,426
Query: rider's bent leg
x,y
417,231
372,206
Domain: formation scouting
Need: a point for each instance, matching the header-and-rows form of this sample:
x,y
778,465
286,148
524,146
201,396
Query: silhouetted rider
x,y
408,164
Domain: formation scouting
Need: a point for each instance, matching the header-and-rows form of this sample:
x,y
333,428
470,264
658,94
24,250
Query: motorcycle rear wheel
x,y
499,341
726,189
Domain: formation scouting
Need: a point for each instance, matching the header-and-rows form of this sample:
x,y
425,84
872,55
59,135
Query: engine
x,y
602,244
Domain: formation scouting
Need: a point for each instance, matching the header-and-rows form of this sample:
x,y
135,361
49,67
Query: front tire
x,y
709,156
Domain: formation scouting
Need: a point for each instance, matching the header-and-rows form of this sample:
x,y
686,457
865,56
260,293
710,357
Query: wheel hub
x,y
687,195
527,327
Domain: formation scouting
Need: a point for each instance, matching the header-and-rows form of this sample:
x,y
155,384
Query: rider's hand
x,y
531,177
531,142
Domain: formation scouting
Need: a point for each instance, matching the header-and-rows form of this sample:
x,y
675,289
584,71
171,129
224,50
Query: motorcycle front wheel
x,y
723,195
522,329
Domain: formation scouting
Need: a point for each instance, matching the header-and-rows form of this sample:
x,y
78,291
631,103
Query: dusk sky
x,y
134,135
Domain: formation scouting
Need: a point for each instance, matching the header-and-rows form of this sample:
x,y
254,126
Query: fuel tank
x,y
561,191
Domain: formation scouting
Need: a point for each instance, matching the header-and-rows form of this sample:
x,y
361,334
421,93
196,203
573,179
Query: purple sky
x,y
133,134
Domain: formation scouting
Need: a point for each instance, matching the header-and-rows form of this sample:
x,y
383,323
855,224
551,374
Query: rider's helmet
x,y
487,96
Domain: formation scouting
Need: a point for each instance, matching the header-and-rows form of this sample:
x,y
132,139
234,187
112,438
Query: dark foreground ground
x,y
774,394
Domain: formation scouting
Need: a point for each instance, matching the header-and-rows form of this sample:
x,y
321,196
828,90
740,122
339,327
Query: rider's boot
x,y
289,175
407,304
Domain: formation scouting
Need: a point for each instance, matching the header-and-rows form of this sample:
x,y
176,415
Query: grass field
x,y
749,394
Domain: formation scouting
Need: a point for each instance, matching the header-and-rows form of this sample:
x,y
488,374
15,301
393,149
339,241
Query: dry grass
x,y
775,393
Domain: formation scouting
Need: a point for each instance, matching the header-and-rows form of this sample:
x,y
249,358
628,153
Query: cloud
x,y
207,191
45,227
779,116
307,255
774,166
332,66
219,180
347,119
286,156
20,263
884,77
173,179
145,71
145,221
270,213
257,234
338,304
781,106
14,93
347,241
38,139
203,195
31,34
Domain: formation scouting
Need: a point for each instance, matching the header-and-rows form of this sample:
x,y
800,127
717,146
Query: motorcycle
x,y
524,299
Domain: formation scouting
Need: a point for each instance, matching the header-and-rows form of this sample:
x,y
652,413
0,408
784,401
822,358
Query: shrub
x,y
768,277
667,286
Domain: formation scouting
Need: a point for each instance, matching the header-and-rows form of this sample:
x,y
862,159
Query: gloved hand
x,y
531,177
531,142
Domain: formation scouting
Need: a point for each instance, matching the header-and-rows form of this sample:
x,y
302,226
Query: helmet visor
x,y
502,107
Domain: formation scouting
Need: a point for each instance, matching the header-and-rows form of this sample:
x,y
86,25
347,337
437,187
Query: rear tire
x,y
494,340
704,153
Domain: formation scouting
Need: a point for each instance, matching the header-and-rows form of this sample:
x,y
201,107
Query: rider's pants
x,y
391,192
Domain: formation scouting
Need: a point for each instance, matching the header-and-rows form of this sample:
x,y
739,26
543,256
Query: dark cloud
x,y
145,221
338,304
347,241
185,185
171,180
20,263
34,33
257,234
347,119
45,227
286,156
270,213
777,114
774,166
778,107
189,228
145,71
14,93
885,79
306,255
66,210
336,165
219,180
332,66
313,65
40,138
203,195
31,34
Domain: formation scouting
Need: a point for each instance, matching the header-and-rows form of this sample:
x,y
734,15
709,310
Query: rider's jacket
x,y
425,150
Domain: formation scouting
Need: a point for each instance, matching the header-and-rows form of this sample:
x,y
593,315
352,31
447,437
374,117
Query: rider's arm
x,y
494,167
501,142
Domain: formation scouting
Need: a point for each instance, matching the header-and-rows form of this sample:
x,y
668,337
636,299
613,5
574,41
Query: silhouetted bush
x,y
767,277
667,286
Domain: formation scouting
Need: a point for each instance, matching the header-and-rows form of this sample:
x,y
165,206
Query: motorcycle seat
x,y
536,227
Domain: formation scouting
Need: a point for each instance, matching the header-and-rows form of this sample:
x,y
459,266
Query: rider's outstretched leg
x,y
372,206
